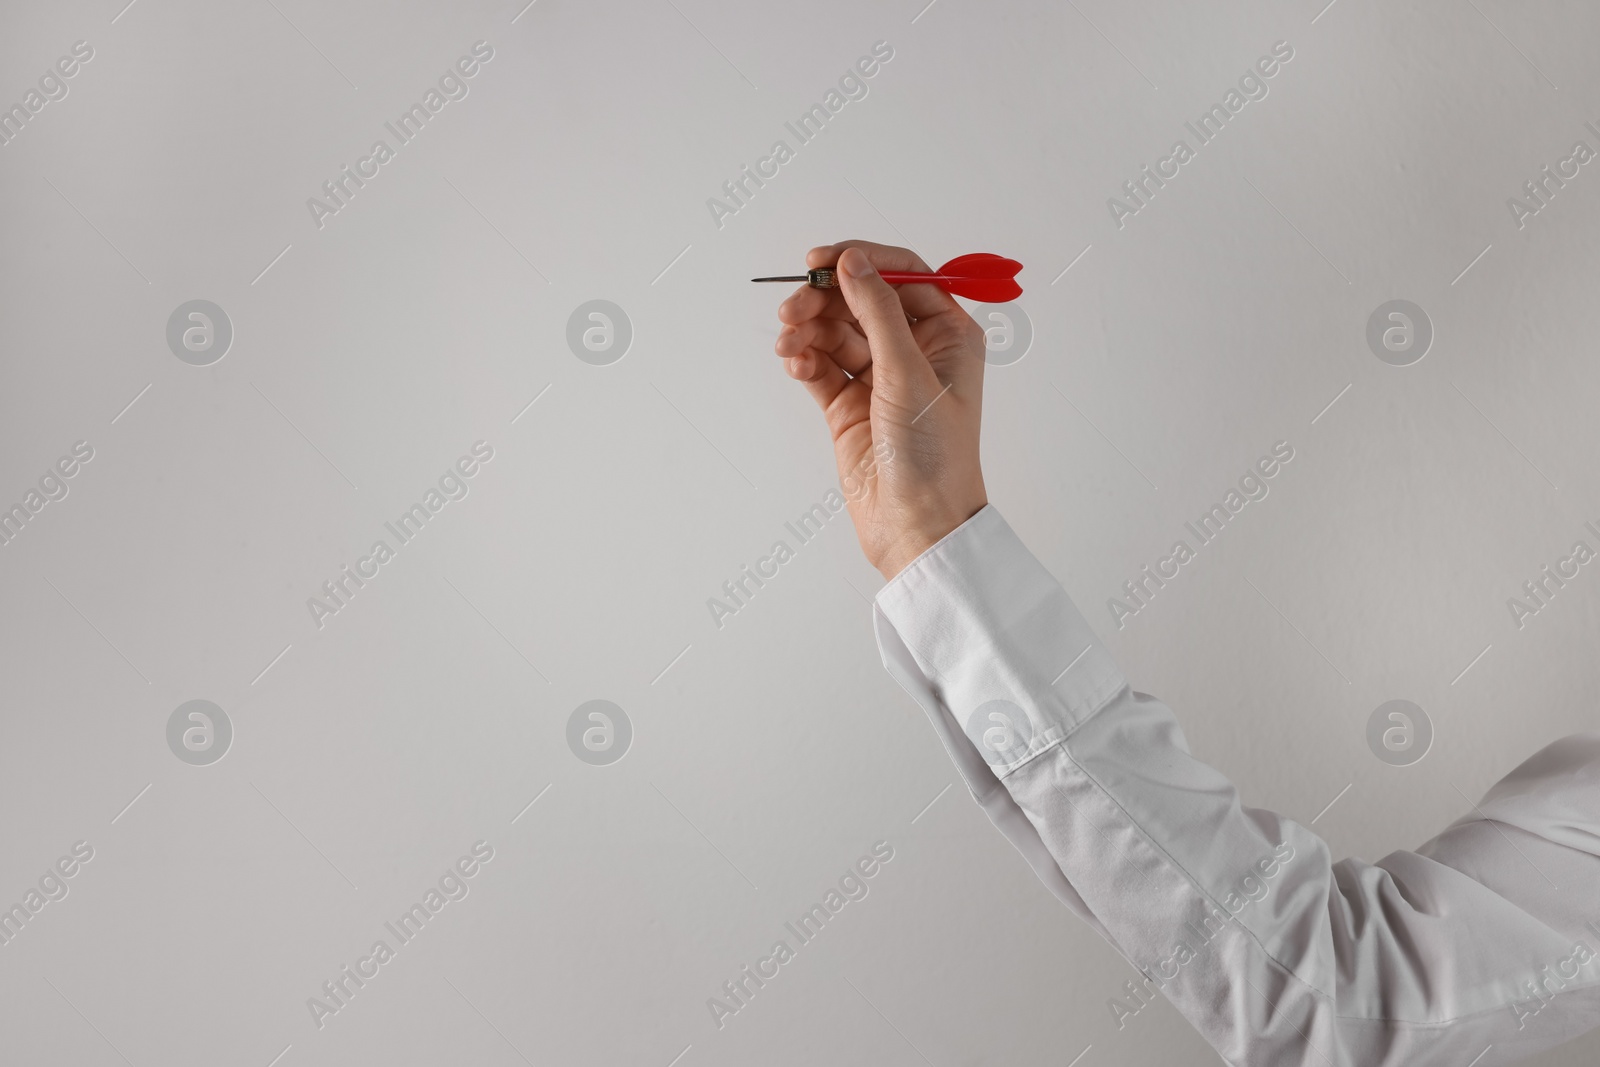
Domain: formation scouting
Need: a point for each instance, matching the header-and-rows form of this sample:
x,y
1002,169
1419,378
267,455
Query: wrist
x,y
915,541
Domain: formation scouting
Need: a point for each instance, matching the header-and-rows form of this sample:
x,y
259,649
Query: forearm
x,y
1238,915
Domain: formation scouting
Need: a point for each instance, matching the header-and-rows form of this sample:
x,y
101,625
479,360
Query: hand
x,y
899,378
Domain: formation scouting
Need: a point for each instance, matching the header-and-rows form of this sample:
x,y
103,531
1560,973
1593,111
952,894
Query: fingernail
x,y
859,265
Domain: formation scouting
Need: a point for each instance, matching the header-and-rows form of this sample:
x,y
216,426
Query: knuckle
x,y
972,333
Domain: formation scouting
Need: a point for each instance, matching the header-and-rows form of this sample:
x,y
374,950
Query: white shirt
x,y
1487,935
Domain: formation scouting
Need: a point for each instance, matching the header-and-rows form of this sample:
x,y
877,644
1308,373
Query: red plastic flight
x,y
981,276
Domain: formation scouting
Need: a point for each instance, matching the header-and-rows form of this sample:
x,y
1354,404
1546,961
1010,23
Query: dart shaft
x,y
901,277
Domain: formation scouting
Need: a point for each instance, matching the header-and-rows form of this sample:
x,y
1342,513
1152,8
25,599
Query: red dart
x,y
981,276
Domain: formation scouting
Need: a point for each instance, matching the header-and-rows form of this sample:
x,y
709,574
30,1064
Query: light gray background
x,y
771,753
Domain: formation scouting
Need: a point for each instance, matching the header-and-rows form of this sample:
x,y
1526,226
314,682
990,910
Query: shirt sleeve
x,y
1484,942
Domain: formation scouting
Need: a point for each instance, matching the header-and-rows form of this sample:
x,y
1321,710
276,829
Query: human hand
x,y
899,378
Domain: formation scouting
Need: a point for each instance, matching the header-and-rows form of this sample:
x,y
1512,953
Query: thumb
x,y
897,360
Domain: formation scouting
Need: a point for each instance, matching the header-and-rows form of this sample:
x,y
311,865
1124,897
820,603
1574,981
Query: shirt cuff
x,y
998,640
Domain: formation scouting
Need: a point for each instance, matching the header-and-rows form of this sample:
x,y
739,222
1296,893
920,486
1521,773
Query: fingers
x,y
843,401
840,340
920,301
845,342
899,361
809,303
886,257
